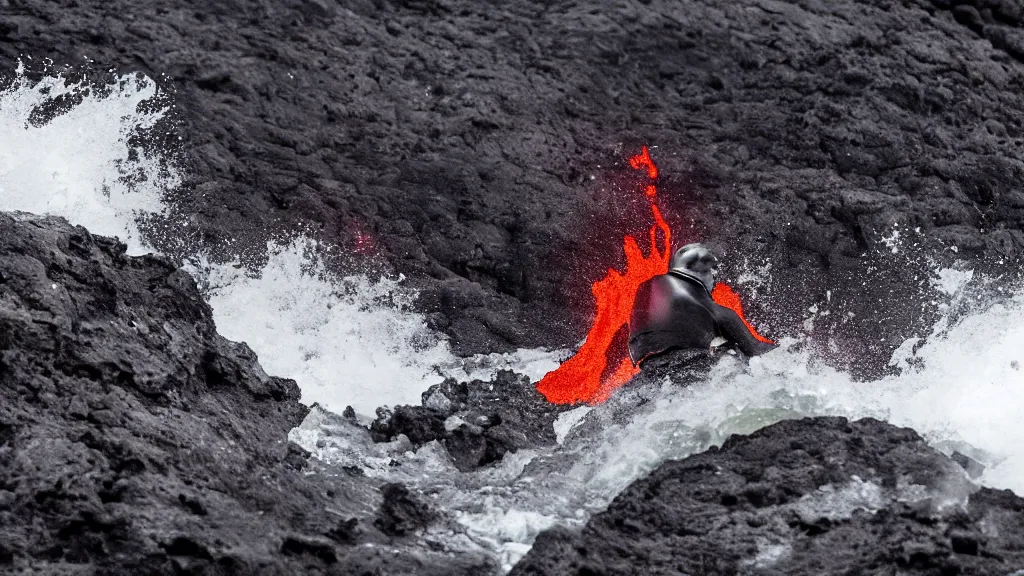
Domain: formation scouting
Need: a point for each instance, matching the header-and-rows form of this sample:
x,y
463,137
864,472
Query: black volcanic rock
x,y
402,512
479,147
477,422
135,440
813,496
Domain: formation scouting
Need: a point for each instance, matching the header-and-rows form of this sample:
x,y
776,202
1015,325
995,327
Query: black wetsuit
x,y
675,312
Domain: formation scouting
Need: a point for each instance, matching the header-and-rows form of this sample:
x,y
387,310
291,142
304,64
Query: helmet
x,y
695,261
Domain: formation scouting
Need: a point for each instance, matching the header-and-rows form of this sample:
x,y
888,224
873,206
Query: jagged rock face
x,y
135,440
461,136
477,422
402,512
814,496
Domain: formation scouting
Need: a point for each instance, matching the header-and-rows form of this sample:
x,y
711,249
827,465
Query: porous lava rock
x,y
812,496
478,422
136,440
478,148
402,512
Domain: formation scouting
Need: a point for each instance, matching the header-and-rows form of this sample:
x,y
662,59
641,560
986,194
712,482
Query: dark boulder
x,y
402,513
477,422
136,440
812,496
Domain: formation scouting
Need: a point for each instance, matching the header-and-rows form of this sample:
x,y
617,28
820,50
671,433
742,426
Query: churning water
x,y
356,341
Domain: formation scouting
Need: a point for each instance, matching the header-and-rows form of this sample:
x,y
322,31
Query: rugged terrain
x,y
477,422
135,440
478,147
814,496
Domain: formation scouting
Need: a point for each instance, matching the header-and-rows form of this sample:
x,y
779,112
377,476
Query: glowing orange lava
x,y
582,378
586,376
642,161
724,295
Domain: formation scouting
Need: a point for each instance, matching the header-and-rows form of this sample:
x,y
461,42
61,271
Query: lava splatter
x,y
585,377
724,295
599,367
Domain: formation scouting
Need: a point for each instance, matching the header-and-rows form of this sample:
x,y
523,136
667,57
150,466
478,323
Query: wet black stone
x,y
964,543
194,506
184,546
502,415
402,512
685,514
347,531
298,546
419,424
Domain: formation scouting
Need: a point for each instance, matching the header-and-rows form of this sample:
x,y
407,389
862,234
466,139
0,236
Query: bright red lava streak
x,y
586,376
724,295
642,161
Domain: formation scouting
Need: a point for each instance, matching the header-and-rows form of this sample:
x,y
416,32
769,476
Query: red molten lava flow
x,y
583,377
586,376
724,295
642,161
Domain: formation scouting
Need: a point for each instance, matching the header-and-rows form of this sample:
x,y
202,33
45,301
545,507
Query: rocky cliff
x,y
479,146
814,496
135,440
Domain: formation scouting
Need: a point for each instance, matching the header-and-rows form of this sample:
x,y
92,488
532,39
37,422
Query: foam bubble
x,y
347,341
80,164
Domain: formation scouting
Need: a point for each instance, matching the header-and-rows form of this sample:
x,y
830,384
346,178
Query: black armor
x,y
675,311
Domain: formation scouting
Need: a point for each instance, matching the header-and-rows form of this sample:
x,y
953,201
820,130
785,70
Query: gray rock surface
x,y
478,148
477,422
814,496
135,440
462,138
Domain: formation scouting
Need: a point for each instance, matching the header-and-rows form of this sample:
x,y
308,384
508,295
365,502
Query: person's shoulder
x,y
678,277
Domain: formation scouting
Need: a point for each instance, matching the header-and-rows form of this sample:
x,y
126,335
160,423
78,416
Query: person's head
x,y
697,261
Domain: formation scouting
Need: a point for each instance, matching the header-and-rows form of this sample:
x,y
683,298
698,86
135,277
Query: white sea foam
x,y
80,164
347,341
568,420
508,532
531,362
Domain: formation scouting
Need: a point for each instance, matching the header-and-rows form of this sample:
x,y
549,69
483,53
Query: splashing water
x,y
79,164
347,341
963,391
962,387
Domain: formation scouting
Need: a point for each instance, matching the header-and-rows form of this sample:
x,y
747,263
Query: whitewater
x,y
357,341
